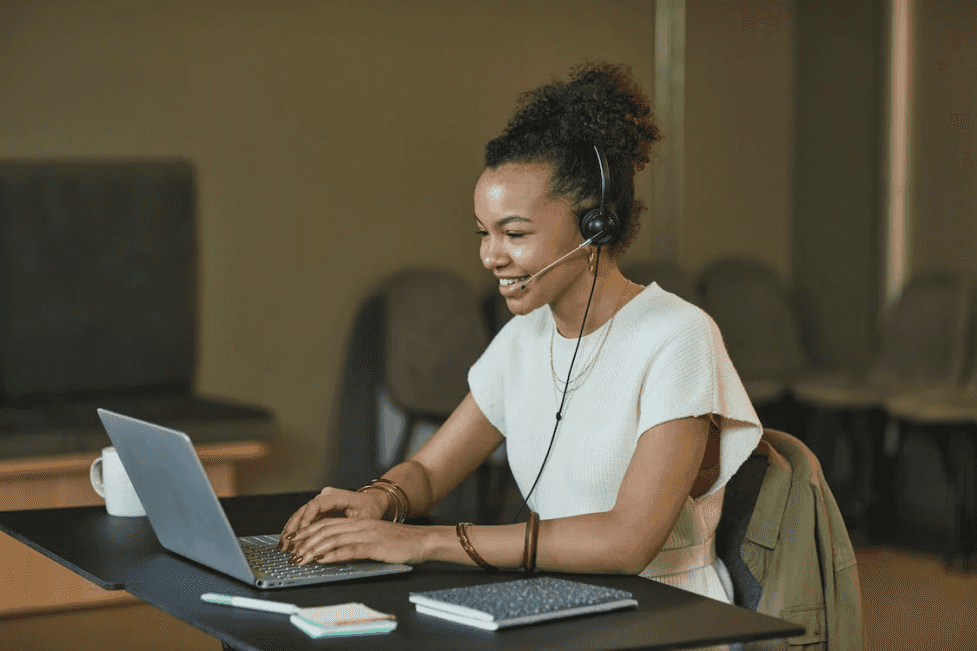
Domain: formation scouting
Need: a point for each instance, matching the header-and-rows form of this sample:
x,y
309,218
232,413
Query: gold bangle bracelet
x,y
398,515
532,537
401,512
462,530
391,500
396,493
401,495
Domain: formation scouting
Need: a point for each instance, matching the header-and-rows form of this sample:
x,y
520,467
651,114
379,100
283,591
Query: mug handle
x,y
95,475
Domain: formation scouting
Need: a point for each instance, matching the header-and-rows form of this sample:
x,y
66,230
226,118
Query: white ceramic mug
x,y
109,479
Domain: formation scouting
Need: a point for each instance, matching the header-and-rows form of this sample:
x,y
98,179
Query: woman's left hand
x,y
334,540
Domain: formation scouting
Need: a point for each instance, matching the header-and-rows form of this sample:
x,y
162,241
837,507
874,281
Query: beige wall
x,y
738,121
943,209
336,142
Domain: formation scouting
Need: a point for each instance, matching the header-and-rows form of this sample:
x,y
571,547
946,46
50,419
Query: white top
x,y
659,359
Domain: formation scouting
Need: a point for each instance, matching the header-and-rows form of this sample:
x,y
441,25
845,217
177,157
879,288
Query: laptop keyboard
x,y
265,558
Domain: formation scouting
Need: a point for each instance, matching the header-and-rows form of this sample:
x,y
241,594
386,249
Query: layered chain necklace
x,y
571,384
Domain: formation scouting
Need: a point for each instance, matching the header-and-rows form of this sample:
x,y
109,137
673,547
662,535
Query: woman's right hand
x,y
334,503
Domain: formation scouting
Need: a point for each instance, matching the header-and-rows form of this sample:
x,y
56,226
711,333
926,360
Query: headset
x,y
600,225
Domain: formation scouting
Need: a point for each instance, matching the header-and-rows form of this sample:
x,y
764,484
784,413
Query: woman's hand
x,y
334,503
333,540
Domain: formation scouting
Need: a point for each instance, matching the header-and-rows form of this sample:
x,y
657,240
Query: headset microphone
x,y
558,261
599,225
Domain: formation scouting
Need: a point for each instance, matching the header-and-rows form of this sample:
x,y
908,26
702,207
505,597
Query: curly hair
x,y
560,123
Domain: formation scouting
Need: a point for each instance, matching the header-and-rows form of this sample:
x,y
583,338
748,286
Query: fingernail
x,y
299,559
319,557
289,536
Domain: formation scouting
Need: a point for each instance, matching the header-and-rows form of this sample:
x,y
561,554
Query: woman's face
x,y
522,230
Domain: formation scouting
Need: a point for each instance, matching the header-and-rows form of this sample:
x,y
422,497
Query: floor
x,y
910,602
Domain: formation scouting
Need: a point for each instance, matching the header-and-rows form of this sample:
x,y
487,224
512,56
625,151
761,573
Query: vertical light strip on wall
x,y
897,218
669,169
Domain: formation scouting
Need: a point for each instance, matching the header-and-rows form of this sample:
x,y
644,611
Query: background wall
x,y
944,159
838,203
337,142
738,129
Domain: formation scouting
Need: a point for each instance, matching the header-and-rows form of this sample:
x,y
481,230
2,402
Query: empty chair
x,y
407,364
494,309
935,468
923,345
946,402
670,276
758,321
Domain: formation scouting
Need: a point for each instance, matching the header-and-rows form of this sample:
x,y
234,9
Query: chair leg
x,y
962,466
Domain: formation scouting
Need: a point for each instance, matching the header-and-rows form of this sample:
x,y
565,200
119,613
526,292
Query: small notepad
x,y
523,601
343,619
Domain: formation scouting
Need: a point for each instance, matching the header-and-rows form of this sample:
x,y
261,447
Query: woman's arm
x,y
463,442
622,540
459,446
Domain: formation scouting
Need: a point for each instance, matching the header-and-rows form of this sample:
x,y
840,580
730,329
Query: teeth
x,y
506,282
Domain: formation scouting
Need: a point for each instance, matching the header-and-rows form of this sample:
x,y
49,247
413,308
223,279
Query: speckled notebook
x,y
523,601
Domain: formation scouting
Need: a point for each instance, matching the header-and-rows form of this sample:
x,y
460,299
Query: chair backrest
x,y
494,309
971,328
740,503
669,275
757,318
408,356
434,333
924,339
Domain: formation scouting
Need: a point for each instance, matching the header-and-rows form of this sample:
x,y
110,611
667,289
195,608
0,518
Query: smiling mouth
x,y
508,282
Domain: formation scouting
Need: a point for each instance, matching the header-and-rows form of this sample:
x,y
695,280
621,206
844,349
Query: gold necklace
x,y
575,383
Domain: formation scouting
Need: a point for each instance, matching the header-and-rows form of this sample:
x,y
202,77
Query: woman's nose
x,y
492,253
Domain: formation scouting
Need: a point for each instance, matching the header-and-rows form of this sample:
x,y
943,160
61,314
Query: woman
x,y
622,414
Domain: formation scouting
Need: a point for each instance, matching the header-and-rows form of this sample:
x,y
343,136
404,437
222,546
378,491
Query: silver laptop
x,y
188,518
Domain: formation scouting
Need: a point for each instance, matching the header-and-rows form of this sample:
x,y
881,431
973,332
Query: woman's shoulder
x,y
667,315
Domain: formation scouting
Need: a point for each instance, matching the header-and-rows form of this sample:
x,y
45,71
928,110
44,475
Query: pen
x,y
247,602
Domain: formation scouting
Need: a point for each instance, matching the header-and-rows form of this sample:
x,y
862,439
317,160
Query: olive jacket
x,y
787,549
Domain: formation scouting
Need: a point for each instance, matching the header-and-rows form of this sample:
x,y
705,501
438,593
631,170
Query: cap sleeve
x,y
486,377
691,375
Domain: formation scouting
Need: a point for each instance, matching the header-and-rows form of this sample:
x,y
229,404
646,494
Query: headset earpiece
x,y
602,227
601,224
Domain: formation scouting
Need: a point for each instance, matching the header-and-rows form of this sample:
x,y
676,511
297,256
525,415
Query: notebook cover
x,y
522,601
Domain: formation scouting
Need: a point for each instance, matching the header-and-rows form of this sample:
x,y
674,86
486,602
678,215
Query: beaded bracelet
x,y
462,530
532,536
396,494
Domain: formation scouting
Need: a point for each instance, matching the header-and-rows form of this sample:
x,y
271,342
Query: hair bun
x,y
560,122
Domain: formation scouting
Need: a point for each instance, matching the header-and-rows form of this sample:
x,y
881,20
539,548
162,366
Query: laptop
x,y
188,518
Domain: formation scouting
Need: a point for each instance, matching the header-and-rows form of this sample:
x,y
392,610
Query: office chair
x,y
758,320
494,309
923,345
782,538
935,467
669,275
412,343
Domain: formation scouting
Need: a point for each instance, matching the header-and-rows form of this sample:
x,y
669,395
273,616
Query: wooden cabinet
x,y
30,581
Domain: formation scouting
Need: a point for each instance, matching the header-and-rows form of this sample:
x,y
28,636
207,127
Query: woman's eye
x,y
480,232
514,235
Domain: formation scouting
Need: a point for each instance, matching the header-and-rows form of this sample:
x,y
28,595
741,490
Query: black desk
x,y
123,553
